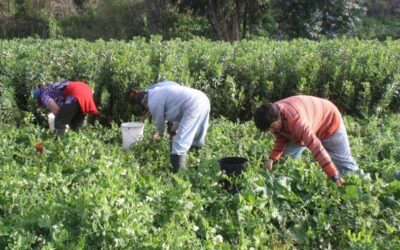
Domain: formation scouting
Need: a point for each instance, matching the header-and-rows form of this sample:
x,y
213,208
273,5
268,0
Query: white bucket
x,y
132,132
50,119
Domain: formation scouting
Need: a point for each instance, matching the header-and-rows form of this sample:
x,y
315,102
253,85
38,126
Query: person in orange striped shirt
x,y
300,122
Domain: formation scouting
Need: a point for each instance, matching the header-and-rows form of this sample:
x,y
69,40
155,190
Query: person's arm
x,y
159,120
157,112
301,130
277,151
48,101
52,105
280,145
312,142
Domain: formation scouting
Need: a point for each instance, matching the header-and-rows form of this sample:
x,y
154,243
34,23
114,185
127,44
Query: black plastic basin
x,y
233,165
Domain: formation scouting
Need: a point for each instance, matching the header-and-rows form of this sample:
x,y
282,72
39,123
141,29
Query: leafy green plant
x,y
86,192
361,77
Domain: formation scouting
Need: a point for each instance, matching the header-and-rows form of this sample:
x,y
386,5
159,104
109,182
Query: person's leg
x,y
65,115
77,120
200,136
293,150
339,150
184,138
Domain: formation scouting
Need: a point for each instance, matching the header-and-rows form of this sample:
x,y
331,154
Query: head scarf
x,y
36,93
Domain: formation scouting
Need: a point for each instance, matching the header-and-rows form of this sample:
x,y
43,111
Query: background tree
x,y
228,17
384,7
314,18
227,20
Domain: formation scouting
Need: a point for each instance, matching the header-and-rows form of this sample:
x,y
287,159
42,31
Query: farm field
x,y
86,192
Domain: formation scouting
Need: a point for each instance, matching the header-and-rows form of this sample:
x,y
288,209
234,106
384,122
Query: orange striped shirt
x,y
306,120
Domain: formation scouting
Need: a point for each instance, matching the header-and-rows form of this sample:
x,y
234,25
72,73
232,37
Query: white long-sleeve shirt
x,y
168,102
162,84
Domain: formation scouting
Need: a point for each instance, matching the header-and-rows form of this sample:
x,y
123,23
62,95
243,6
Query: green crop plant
x,y
86,192
361,77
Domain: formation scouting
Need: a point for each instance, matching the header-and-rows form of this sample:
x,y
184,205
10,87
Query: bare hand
x,y
339,182
156,136
268,164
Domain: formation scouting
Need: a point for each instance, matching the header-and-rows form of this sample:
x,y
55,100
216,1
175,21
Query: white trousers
x,y
192,128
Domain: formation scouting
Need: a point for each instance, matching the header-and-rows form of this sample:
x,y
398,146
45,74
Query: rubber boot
x,y
178,162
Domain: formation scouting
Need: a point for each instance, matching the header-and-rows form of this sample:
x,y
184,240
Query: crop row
x,y
86,192
360,77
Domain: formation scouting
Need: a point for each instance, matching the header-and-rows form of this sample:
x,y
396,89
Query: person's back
x,y
175,98
321,115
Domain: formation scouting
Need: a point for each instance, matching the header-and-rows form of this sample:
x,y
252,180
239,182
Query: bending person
x,y
307,121
187,109
68,101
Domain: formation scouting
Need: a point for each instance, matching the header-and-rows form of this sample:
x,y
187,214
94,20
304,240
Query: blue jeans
x,y
337,147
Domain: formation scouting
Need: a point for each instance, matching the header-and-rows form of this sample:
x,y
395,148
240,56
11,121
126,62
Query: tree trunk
x,y
156,11
245,21
226,24
217,20
235,22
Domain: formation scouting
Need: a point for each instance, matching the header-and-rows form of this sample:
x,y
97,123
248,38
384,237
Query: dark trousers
x,y
70,114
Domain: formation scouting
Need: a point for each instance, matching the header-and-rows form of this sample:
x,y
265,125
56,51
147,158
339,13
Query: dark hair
x,y
265,115
136,98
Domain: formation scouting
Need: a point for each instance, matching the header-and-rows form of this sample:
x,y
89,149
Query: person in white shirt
x,y
186,108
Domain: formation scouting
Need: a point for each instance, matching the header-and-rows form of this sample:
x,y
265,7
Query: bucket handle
x,y
130,132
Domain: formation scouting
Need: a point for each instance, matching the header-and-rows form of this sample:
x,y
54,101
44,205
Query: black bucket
x,y
233,166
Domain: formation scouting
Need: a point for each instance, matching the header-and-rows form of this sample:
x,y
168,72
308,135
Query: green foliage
x,y
314,19
188,27
231,20
378,28
224,20
128,19
86,192
360,77
8,109
55,31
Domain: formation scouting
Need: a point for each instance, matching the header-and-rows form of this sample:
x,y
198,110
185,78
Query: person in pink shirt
x,y
300,122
